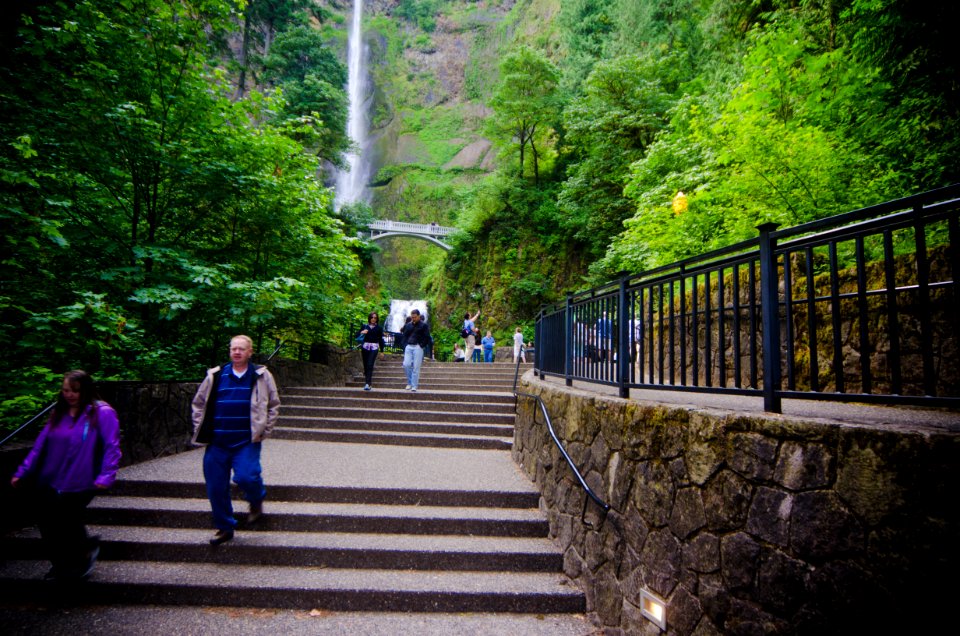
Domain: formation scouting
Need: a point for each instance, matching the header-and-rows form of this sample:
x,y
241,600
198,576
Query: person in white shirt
x,y
518,346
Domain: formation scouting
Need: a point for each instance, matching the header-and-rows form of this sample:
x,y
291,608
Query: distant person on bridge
x,y
234,410
469,332
75,457
371,336
416,335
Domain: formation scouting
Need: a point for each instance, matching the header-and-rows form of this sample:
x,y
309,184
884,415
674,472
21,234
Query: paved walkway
x,y
184,621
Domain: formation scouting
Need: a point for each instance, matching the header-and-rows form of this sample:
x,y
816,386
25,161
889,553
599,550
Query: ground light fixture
x,y
654,609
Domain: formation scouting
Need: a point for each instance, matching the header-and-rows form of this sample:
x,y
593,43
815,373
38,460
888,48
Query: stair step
x,y
372,402
337,494
441,384
394,414
326,517
40,618
165,583
391,396
314,549
393,439
347,423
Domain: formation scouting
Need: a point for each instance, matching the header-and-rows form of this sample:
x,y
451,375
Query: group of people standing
x,y
77,455
471,351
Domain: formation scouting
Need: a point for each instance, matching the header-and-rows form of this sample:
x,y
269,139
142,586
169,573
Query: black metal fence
x,y
861,307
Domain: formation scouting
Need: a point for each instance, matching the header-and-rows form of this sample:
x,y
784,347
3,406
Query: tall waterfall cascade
x,y
351,183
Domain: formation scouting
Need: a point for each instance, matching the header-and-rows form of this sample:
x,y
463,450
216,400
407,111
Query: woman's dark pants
x,y
369,357
60,517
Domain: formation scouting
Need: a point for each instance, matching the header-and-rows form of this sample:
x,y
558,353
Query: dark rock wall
x,y
746,525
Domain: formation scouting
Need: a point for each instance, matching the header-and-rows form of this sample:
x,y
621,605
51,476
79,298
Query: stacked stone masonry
x,y
746,524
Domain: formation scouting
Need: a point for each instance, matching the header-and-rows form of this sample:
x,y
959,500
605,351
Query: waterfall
x,y
351,183
400,309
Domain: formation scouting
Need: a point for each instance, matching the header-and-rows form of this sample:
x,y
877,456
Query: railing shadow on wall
x,y
859,307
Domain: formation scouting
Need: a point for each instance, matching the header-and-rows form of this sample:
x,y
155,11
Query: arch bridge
x,y
426,231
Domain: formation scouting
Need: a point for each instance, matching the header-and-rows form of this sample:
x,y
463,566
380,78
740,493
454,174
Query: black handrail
x,y
556,440
28,423
280,344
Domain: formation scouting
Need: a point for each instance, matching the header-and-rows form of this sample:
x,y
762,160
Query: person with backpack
x,y
468,332
75,457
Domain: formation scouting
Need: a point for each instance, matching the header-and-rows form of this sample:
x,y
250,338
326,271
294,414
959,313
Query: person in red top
x,y
75,457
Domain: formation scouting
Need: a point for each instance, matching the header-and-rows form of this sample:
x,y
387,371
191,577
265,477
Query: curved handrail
x,y
280,344
28,423
556,440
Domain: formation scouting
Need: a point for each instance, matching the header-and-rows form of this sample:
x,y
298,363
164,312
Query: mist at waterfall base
x,y
400,309
352,182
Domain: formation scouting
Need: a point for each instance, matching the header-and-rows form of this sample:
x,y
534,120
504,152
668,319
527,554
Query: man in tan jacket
x,y
234,410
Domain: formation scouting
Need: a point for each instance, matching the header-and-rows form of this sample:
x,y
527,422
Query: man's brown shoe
x,y
222,536
256,511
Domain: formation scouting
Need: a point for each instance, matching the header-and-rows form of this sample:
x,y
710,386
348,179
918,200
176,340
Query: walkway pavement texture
x,y
903,418
378,503
33,620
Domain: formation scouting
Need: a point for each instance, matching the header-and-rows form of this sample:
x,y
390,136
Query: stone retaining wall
x,y
747,524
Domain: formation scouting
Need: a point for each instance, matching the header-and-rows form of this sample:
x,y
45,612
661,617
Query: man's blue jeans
x,y
488,355
217,464
412,359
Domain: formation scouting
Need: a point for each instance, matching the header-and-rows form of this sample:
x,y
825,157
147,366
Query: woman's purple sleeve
x,y
30,460
109,427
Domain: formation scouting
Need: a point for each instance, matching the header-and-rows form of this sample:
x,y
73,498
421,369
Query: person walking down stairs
x,y
416,335
372,336
75,457
234,410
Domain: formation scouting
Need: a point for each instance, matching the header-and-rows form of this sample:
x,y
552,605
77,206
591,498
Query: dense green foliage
x,y
160,158
675,126
148,214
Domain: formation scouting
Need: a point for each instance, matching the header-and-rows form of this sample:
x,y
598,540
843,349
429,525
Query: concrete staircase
x,y
377,501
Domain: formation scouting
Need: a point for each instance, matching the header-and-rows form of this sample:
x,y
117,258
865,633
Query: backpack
x,y
465,333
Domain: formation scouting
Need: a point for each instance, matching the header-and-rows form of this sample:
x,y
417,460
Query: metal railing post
x,y
538,343
568,341
770,317
623,344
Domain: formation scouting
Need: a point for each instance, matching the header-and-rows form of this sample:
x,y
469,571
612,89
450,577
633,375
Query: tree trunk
x,y
244,56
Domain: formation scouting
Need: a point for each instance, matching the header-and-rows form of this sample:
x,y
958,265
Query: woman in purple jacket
x,y
75,457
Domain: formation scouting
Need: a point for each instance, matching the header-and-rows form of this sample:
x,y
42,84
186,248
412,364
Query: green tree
x,y
625,105
526,104
149,213
313,81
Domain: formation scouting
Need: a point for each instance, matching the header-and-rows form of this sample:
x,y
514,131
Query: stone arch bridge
x,y
426,231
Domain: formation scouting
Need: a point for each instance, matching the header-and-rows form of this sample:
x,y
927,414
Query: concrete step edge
x,y
299,493
479,429
307,588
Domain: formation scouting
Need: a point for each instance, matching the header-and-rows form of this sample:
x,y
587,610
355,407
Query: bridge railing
x,y
416,228
858,307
